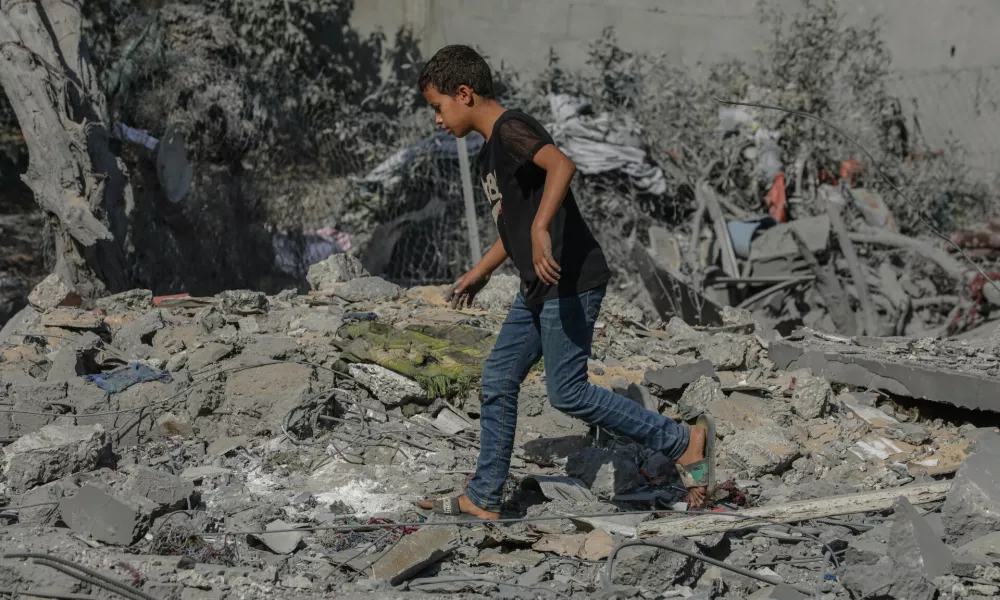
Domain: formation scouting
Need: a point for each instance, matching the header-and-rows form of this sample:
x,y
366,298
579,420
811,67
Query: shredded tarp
x,y
603,143
444,360
122,378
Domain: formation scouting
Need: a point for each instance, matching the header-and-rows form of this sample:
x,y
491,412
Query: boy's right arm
x,y
492,260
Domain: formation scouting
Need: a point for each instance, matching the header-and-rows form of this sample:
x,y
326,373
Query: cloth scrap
x,y
122,378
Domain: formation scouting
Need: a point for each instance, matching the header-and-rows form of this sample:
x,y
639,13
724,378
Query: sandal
x,y
701,473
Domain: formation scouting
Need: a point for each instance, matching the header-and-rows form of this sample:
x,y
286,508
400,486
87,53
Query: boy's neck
x,y
486,117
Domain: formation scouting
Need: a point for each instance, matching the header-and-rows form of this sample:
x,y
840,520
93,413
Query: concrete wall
x,y
946,53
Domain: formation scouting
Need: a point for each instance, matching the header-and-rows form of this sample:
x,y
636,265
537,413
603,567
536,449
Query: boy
x,y
564,277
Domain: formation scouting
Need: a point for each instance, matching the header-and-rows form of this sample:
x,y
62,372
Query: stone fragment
x,y
136,337
50,492
858,406
280,542
338,268
210,354
197,474
911,433
243,302
725,352
366,289
698,396
414,553
18,324
679,377
225,445
595,545
66,365
112,517
603,471
391,388
738,411
125,301
972,508
655,569
51,453
54,291
72,318
917,554
167,490
765,450
811,395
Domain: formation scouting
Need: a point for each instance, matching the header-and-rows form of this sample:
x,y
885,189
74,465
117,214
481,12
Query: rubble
x,y
320,415
54,291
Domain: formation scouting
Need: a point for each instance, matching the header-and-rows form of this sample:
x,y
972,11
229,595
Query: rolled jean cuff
x,y
475,499
683,439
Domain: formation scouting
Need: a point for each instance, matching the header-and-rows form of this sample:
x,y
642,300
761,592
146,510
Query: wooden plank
x,y
729,264
793,512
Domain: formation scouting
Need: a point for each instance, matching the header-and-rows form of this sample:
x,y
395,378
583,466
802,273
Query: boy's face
x,y
452,113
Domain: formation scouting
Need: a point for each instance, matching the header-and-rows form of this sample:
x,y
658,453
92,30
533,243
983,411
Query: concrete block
x,y
72,318
698,397
339,268
972,508
391,388
113,517
738,411
54,291
766,450
603,471
167,490
681,376
136,337
811,395
366,289
125,301
210,354
414,553
243,302
725,352
51,453
918,554
50,492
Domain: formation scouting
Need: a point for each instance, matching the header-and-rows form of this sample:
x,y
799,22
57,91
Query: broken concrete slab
x,y
128,300
595,545
967,389
525,559
71,318
414,553
698,397
776,242
66,365
197,474
243,302
738,411
604,472
391,388
109,516
778,592
225,445
50,492
338,268
725,352
972,508
54,291
280,542
51,453
136,337
677,378
869,414
165,489
366,289
210,354
655,569
766,450
19,323
810,396
917,553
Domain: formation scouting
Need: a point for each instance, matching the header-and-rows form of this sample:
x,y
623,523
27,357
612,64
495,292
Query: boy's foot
x,y
697,496
466,507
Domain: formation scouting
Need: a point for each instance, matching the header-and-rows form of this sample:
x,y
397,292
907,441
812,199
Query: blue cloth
x,y
561,329
742,232
122,378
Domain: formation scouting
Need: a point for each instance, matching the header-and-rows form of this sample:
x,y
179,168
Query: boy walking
x,y
564,277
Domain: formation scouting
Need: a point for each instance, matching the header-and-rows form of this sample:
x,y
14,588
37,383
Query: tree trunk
x,y
46,72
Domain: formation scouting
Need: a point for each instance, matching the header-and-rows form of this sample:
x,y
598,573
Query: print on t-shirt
x,y
493,195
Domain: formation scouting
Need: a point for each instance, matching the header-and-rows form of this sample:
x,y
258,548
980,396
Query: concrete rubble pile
x,y
246,446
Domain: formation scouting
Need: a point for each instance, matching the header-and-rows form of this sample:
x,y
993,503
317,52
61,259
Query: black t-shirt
x,y
513,185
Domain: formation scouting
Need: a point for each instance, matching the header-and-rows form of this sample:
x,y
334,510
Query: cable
x,y
89,575
919,211
17,593
460,579
607,576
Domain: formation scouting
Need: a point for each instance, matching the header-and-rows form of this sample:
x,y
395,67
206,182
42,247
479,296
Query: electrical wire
x,y
919,211
85,574
607,576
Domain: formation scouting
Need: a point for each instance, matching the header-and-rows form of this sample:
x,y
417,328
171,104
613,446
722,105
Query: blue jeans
x,y
561,329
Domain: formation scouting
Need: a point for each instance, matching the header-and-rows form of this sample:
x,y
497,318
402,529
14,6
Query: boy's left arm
x,y
559,171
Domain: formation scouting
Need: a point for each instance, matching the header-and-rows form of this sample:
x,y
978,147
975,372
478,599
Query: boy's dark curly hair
x,y
453,66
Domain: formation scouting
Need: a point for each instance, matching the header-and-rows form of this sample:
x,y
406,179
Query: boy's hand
x,y
546,266
464,291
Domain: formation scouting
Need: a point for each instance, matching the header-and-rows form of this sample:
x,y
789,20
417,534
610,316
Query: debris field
x,y
246,446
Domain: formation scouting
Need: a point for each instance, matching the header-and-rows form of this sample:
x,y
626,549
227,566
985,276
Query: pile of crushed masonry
x,y
246,446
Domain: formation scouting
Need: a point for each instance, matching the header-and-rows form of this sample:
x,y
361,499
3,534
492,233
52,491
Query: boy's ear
x,y
464,94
